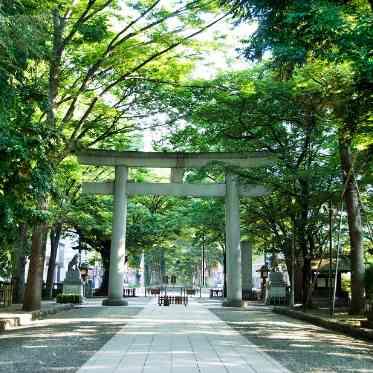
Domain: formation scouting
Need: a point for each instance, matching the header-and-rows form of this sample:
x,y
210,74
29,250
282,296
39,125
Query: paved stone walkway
x,y
182,340
64,342
297,345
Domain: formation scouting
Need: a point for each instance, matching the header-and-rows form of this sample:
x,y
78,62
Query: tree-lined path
x,y
202,337
182,340
112,112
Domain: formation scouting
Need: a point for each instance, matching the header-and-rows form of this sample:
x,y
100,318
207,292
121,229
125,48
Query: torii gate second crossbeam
x,y
122,188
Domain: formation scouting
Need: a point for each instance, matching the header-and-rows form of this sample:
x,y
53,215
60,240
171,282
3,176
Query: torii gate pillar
x,y
178,162
118,240
233,255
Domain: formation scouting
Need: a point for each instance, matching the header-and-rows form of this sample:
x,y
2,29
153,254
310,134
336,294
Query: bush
x,y
369,281
69,298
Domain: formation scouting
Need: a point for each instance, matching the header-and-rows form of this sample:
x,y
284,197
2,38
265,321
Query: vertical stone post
x,y
118,240
232,227
247,263
177,175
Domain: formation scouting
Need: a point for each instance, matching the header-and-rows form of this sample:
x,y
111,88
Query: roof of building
x,y
344,264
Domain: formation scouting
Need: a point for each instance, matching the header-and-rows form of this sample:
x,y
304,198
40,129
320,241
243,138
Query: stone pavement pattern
x,y
65,341
182,340
297,345
154,339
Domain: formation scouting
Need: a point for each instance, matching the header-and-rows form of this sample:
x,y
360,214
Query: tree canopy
x,y
102,74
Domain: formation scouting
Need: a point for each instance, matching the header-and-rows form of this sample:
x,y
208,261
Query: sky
x,y
226,58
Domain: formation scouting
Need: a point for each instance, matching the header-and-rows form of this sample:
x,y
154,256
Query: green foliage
x,y
328,44
25,145
5,262
95,30
335,33
90,73
252,110
79,74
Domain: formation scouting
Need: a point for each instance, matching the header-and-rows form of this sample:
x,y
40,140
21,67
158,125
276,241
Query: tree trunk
x,y
162,264
44,251
225,273
55,235
20,264
32,299
307,283
146,269
105,256
354,224
302,239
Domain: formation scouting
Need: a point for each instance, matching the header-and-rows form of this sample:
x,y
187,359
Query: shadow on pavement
x,y
62,342
299,346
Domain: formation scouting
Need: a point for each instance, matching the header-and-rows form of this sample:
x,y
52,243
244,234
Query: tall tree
x,y
254,110
297,33
104,59
25,169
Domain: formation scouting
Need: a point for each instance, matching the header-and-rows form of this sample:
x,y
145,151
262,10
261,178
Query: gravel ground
x,y
63,342
299,346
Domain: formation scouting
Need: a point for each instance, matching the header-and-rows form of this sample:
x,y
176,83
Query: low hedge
x,y
69,298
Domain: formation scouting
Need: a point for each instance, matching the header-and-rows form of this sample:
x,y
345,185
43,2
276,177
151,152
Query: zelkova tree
x,y
24,167
337,34
254,110
105,59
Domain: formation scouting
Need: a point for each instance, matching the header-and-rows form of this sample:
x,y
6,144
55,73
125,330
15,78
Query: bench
x,y
216,293
190,291
155,291
129,292
166,300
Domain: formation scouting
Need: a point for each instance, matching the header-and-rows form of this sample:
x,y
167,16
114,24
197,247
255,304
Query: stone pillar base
x,y
114,302
233,303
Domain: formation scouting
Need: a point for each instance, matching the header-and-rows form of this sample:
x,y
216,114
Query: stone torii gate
x,y
122,189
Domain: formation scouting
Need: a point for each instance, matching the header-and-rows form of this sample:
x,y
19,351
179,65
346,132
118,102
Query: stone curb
x,y
21,319
350,330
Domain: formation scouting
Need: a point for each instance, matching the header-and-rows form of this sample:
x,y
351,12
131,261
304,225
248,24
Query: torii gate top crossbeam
x,y
174,189
172,160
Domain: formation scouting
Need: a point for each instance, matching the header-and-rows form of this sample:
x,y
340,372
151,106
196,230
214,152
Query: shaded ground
x,y
299,346
341,316
63,342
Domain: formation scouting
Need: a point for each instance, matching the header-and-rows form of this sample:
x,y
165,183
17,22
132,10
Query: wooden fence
x,y
6,294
